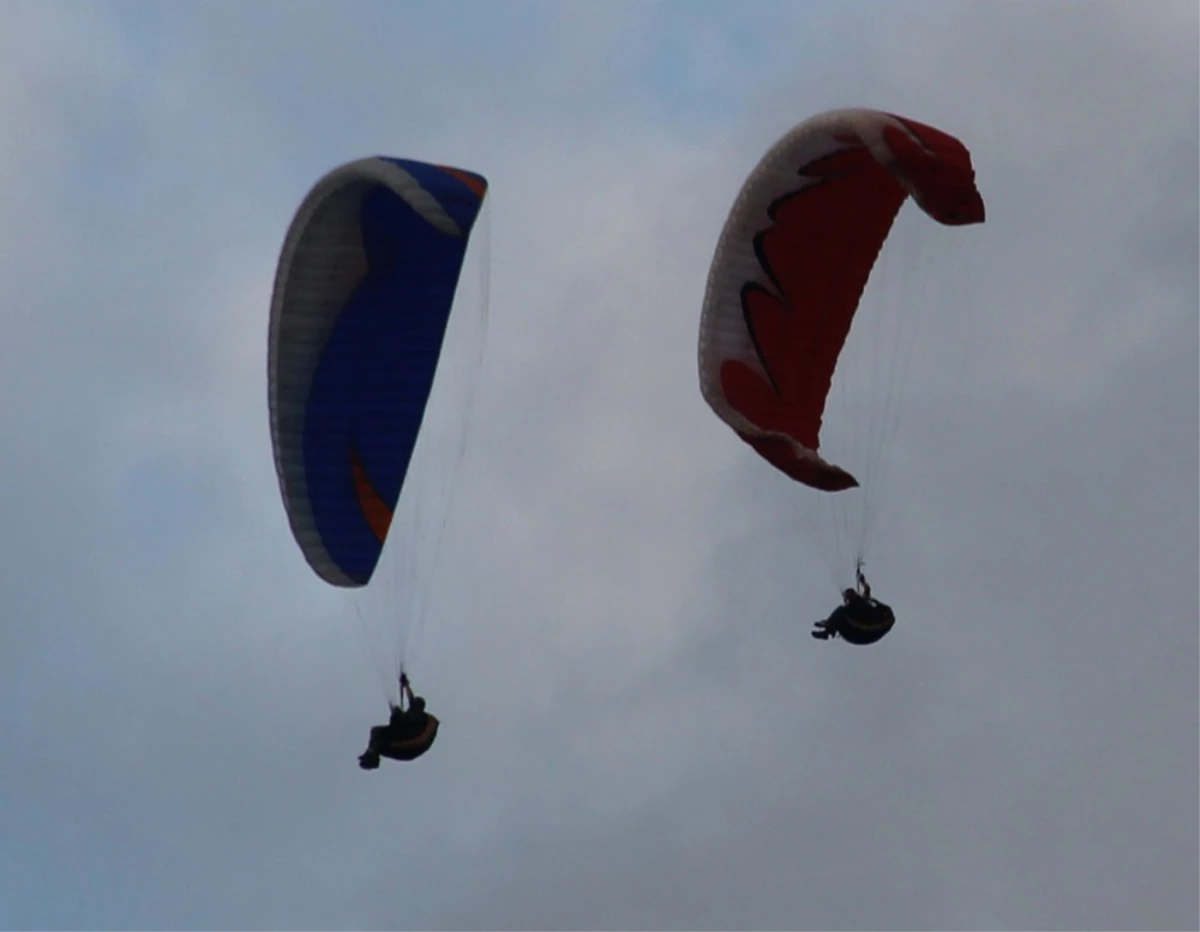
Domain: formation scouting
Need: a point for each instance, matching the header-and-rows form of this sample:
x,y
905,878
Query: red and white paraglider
x,y
791,266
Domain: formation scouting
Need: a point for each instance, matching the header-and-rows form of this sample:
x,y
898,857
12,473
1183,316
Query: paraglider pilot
x,y
407,735
860,619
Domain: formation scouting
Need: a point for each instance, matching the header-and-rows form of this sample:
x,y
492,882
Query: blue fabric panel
x,y
458,200
375,374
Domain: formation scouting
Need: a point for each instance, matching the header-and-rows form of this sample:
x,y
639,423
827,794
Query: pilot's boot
x,y
369,760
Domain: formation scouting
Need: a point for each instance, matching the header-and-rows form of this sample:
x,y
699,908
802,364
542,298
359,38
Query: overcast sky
x,y
638,731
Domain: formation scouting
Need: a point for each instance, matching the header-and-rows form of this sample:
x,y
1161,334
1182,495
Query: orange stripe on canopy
x,y
374,508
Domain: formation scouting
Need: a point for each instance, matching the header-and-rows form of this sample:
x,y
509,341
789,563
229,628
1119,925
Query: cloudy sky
x,y
638,731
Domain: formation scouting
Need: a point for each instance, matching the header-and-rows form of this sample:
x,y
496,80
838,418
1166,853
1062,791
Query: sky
x,y
637,731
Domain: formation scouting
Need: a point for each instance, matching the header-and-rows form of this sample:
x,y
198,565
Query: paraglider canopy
x,y
363,291
791,264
